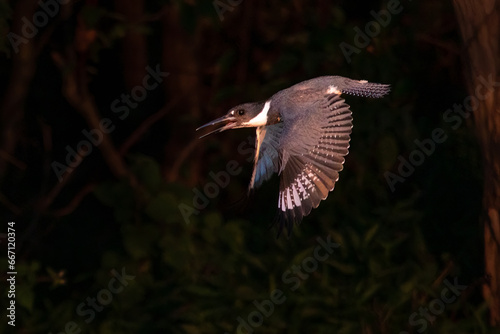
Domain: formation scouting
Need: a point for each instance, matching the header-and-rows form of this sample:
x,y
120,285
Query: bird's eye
x,y
241,112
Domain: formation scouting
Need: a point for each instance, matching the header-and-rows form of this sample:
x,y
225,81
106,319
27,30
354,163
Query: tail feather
x,y
364,88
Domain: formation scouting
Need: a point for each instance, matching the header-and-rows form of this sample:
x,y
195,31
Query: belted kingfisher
x,y
303,134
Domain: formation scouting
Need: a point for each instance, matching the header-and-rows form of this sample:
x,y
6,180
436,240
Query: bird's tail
x,y
364,88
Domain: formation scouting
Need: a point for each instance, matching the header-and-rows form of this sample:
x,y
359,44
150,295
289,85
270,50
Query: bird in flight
x,y
303,134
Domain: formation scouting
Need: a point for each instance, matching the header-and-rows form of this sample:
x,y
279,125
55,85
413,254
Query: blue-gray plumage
x,y
303,134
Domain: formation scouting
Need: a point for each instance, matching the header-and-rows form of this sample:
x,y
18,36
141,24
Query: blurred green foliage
x,y
396,247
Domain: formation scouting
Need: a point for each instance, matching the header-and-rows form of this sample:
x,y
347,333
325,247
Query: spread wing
x,y
310,166
266,154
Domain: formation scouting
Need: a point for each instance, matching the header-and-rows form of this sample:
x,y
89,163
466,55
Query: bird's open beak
x,y
230,124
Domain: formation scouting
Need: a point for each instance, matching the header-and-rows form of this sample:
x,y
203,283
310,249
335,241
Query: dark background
x,y
119,209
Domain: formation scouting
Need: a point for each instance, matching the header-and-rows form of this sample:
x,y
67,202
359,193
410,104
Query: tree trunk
x,y
134,44
23,68
479,24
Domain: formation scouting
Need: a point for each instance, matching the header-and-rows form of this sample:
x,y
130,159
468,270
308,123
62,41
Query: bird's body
x,y
303,134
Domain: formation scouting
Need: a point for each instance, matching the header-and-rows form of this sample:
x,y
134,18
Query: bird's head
x,y
245,115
